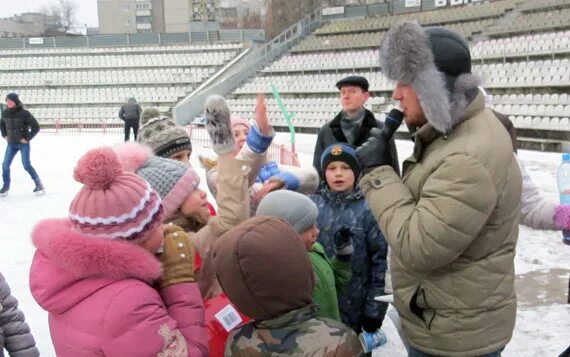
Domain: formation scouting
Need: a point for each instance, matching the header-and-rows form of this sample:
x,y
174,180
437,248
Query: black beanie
x,y
451,54
13,97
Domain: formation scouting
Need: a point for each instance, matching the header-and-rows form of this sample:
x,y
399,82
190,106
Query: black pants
x,y
131,123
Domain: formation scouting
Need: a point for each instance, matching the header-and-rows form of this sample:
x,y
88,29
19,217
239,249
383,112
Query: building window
x,y
127,21
125,6
144,20
143,6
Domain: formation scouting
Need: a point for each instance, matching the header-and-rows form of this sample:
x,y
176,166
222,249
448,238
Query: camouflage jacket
x,y
297,333
368,260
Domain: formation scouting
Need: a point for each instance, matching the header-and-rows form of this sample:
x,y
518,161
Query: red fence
x,y
197,133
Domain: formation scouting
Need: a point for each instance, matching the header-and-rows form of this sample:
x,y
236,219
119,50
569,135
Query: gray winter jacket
x,y
15,335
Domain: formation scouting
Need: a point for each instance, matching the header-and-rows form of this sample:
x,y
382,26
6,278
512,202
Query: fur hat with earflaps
x,y
436,62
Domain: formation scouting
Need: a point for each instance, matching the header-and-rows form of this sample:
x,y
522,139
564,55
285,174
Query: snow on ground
x,y
542,262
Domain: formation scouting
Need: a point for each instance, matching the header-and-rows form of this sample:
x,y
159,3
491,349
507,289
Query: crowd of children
x,y
141,259
290,264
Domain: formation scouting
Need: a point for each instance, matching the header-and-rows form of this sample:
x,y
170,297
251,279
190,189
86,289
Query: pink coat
x,y
100,300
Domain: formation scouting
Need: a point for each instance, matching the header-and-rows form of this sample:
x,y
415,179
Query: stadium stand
x,y
520,48
525,71
90,84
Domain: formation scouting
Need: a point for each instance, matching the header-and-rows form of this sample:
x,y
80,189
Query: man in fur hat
x,y
452,220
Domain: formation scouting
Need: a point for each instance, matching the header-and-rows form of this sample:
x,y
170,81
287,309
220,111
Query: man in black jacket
x,y
18,127
130,113
354,122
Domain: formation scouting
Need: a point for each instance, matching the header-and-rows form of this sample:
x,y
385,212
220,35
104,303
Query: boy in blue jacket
x,y
342,204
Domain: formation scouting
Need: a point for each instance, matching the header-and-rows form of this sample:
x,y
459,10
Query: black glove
x,y
343,243
376,150
370,324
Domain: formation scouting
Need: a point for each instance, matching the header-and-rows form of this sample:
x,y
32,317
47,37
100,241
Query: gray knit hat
x,y
297,209
164,137
173,180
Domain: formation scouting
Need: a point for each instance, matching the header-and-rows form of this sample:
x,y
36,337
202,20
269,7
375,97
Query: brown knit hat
x,y
264,269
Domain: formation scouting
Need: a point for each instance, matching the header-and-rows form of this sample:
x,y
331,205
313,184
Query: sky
x,y
87,9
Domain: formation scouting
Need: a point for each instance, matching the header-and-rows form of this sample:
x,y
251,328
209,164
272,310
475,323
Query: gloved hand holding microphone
x,y
375,151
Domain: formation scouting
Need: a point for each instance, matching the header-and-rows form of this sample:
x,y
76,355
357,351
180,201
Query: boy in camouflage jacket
x,y
264,270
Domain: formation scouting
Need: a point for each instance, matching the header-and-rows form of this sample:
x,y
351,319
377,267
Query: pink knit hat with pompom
x,y
113,203
237,120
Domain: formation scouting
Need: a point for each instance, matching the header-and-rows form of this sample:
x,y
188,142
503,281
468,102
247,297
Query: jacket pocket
x,y
419,307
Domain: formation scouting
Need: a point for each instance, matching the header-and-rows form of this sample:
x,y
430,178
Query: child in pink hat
x,y
185,204
97,275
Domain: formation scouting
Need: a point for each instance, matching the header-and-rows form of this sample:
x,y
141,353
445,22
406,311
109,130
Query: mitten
x,y
178,257
207,162
343,242
562,217
371,324
218,125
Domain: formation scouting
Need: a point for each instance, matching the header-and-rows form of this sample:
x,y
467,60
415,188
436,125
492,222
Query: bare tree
x,y
251,21
60,16
67,13
284,13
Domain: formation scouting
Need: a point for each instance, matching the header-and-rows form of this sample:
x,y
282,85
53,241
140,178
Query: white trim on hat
x,y
133,230
115,219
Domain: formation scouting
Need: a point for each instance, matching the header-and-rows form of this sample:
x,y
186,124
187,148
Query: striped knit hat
x,y
113,203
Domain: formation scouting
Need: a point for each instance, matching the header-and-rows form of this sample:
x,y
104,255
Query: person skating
x,y
18,127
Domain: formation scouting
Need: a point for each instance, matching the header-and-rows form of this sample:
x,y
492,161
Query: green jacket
x,y
296,333
332,276
452,224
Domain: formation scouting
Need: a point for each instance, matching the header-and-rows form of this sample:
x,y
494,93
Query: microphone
x,y
392,123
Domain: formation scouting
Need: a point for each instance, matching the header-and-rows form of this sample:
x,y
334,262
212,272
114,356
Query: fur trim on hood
x,y
406,56
85,257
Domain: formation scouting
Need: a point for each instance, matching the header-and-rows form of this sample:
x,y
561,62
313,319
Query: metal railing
x,y
125,40
233,76
197,133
